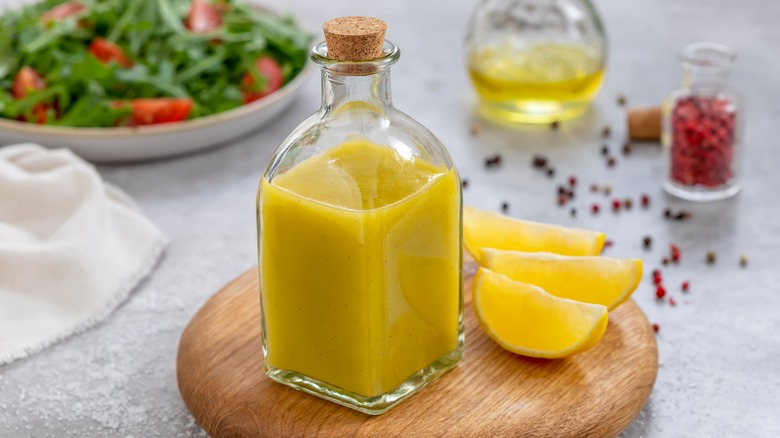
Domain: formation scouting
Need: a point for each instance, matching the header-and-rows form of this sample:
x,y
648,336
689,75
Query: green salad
x,y
105,63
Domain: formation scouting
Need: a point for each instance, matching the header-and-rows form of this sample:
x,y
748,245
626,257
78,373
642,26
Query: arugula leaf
x,y
169,17
89,111
203,65
17,107
6,51
125,20
140,75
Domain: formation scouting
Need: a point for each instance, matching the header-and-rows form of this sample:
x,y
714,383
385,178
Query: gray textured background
x,y
719,353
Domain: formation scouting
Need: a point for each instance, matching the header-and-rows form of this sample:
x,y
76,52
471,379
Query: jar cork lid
x,y
354,38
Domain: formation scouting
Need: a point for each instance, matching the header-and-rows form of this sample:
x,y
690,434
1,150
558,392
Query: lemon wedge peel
x,y
591,279
489,229
579,325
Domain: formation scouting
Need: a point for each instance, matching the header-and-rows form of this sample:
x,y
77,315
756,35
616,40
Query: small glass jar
x,y
359,220
535,61
702,127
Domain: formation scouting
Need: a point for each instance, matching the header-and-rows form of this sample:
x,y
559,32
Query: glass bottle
x,y
535,61
359,223
702,127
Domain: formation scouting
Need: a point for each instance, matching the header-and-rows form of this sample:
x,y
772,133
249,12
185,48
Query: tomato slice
x,y
106,51
158,110
269,68
63,11
203,17
29,80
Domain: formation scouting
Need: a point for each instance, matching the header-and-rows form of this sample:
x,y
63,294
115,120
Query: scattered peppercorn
x,y
627,148
562,199
621,100
504,206
495,160
539,161
628,203
711,257
645,200
665,261
611,161
550,172
672,301
682,215
660,292
594,208
675,252
607,189
656,327
685,285
656,273
678,216
609,243
555,125
475,129
743,260
573,212
606,132
616,204
594,188
605,150
572,181
464,183
647,241
561,190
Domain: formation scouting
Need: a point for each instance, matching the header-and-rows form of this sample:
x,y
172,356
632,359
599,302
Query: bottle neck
x,y
705,81
339,89
706,67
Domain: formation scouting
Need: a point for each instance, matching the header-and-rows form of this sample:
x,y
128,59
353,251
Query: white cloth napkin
x,y
71,248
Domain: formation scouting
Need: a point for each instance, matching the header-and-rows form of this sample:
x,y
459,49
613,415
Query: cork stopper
x,y
644,123
354,38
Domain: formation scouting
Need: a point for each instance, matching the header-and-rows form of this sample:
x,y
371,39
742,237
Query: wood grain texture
x,y
490,393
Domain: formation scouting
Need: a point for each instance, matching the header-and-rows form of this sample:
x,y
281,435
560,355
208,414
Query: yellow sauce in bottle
x,y
536,82
360,267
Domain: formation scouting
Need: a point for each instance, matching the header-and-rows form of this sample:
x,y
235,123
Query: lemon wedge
x,y
525,319
486,229
596,280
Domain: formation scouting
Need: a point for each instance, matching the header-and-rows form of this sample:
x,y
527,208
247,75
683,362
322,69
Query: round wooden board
x,y
490,393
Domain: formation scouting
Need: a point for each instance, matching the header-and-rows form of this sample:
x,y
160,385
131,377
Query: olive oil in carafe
x,y
536,82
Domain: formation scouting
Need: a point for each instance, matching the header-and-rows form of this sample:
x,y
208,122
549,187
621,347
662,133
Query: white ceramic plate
x,y
124,144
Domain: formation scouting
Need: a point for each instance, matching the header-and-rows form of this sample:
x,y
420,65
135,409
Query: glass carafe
x,y
535,61
359,222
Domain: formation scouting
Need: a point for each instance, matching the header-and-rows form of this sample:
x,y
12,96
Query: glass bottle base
x,y
369,405
531,111
700,194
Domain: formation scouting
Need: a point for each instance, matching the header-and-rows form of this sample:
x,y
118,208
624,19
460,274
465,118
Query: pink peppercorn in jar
x,y
702,132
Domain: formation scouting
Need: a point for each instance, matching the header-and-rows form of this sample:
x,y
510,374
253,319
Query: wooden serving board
x,y
490,393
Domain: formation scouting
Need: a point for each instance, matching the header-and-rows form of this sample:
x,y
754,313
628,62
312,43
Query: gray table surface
x,y
719,353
